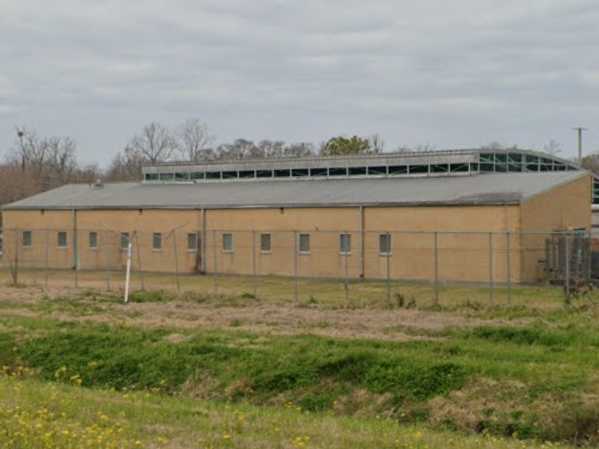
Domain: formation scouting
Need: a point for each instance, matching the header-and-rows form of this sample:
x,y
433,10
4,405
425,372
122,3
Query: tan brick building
x,y
313,217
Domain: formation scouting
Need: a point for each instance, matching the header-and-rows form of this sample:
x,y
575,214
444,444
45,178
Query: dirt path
x,y
72,305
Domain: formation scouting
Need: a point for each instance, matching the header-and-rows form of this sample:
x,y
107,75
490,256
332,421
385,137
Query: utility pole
x,y
20,135
579,131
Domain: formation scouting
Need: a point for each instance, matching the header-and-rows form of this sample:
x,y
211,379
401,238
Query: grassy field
x,y
35,415
206,371
330,292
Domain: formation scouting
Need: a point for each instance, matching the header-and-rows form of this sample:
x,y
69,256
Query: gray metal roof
x,y
499,188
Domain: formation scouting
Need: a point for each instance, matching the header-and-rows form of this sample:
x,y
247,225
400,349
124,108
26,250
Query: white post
x,y
128,275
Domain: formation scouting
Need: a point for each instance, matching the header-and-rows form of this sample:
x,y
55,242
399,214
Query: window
x,y
192,242
93,240
357,171
27,238
157,241
245,174
337,171
377,170
300,172
228,242
319,172
264,173
282,173
265,243
345,243
304,243
61,238
385,244
124,240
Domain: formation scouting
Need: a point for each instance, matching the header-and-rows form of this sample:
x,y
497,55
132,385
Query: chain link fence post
x,y
214,273
107,261
176,254
388,268
139,262
567,257
254,268
15,268
436,266
491,271
47,261
76,258
508,268
345,268
295,267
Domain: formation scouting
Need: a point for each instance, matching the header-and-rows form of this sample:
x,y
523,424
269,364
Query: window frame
x,y
125,237
227,236
29,239
196,238
345,236
268,236
157,238
89,240
301,236
60,234
389,244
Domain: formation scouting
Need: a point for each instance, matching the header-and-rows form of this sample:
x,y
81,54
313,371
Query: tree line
x,y
39,163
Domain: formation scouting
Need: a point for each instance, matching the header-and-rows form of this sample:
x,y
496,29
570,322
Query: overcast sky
x,y
452,74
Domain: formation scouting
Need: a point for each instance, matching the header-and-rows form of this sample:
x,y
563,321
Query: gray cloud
x,y
446,73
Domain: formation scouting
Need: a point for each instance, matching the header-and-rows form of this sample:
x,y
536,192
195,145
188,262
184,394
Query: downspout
x,y
362,244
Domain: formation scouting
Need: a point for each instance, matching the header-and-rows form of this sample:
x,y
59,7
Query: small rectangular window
x,y
265,243
61,239
192,242
304,243
385,244
124,240
357,171
228,242
27,238
345,243
319,172
93,240
157,241
337,171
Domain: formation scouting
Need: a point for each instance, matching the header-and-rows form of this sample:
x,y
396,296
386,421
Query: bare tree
x,y
301,149
552,147
377,144
193,141
591,162
126,166
155,143
28,152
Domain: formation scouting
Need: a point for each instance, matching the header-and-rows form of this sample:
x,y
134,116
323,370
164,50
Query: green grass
x,y
324,292
529,377
35,415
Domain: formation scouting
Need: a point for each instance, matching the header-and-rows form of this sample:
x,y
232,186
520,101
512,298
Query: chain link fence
x,y
339,267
